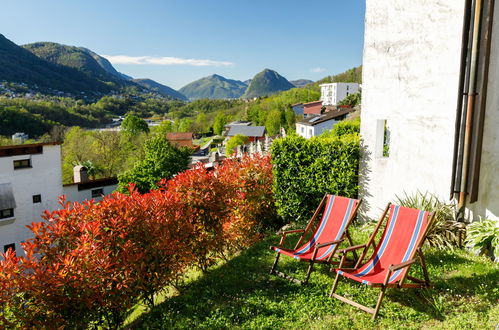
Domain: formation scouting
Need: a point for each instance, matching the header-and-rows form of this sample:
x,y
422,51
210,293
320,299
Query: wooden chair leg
x,y
335,285
425,270
378,304
309,271
274,266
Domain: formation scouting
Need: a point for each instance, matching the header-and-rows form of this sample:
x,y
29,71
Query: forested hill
x,y
21,66
161,89
214,87
76,58
265,83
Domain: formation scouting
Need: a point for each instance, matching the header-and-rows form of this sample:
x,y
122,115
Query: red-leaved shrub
x,y
89,263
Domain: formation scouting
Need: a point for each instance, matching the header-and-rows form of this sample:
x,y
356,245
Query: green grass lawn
x,y
241,294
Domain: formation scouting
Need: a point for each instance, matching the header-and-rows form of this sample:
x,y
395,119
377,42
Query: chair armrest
x,y
402,265
351,248
318,246
291,231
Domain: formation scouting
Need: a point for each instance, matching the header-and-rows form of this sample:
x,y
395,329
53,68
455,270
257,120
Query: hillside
x,y
161,89
106,65
265,83
21,66
214,87
301,82
77,58
350,75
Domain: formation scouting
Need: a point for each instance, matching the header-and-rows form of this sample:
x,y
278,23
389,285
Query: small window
x,y
9,246
97,192
22,163
311,132
37,199
303,129
382,139
6,213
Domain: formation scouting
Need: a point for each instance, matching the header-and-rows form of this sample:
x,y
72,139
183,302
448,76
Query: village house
x,y
298,108
312,108
316,125
430,72
334,93
180,139
30,182
83,188
254,133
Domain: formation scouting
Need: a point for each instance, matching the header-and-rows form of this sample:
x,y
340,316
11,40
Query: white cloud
x,y
123,59
317,70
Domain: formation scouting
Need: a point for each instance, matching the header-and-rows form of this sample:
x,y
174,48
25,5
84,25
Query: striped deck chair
x,y
392,257
337,214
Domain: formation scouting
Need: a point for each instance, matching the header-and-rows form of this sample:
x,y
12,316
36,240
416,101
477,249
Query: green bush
x,y
305,170
236,140
483,237
344,127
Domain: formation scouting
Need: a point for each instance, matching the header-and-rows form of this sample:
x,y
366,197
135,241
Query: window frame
x,y
18,163
8,216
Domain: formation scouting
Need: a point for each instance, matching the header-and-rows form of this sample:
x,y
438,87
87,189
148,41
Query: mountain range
x,y
214,87
52,68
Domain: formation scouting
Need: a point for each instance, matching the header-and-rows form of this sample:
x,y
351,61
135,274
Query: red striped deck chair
x,y
392,257
337,214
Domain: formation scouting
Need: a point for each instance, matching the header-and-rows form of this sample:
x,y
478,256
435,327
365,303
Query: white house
x,y
94,189
30,182
318,124
415,91
334,93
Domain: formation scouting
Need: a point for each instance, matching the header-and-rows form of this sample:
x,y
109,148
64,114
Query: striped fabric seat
x,y
403,235
398,244
335,220
337,214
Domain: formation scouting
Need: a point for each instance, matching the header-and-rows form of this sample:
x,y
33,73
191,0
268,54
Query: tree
x,y
161,160
164,127
273,122
352,99
134,125
220,122
236,140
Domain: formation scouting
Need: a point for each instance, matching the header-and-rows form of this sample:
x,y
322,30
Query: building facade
x,y
30,183
334,93
411,90
318,124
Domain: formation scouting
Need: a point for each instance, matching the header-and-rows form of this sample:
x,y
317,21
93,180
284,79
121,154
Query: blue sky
x,y
176,42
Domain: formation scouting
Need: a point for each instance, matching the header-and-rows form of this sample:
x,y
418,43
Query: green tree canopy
x,y
220,122
134,125
236,140
161,160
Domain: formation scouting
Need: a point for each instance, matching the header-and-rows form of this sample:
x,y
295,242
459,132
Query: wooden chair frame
x,y
274,271
416,283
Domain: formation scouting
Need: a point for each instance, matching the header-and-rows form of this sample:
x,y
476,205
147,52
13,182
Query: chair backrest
x,y
401,238
336,217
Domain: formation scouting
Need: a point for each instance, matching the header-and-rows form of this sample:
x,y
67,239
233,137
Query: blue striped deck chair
x,y
337,214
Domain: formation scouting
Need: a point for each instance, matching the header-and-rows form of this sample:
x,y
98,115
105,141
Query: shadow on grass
x,y
223,291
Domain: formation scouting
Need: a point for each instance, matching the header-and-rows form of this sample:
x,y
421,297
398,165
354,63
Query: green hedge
x,y
304,170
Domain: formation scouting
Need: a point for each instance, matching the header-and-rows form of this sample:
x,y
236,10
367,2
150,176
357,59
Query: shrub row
x,y
304,170
89,263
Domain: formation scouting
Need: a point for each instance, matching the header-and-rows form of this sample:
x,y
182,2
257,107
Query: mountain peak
x,y
214,87
267,82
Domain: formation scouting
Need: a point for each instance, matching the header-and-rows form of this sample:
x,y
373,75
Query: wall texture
x,y
44,178
410,79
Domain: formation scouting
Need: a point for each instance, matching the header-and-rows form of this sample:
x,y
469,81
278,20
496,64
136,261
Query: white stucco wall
x,y
43,178
308,131
333,93
74,195
410,78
